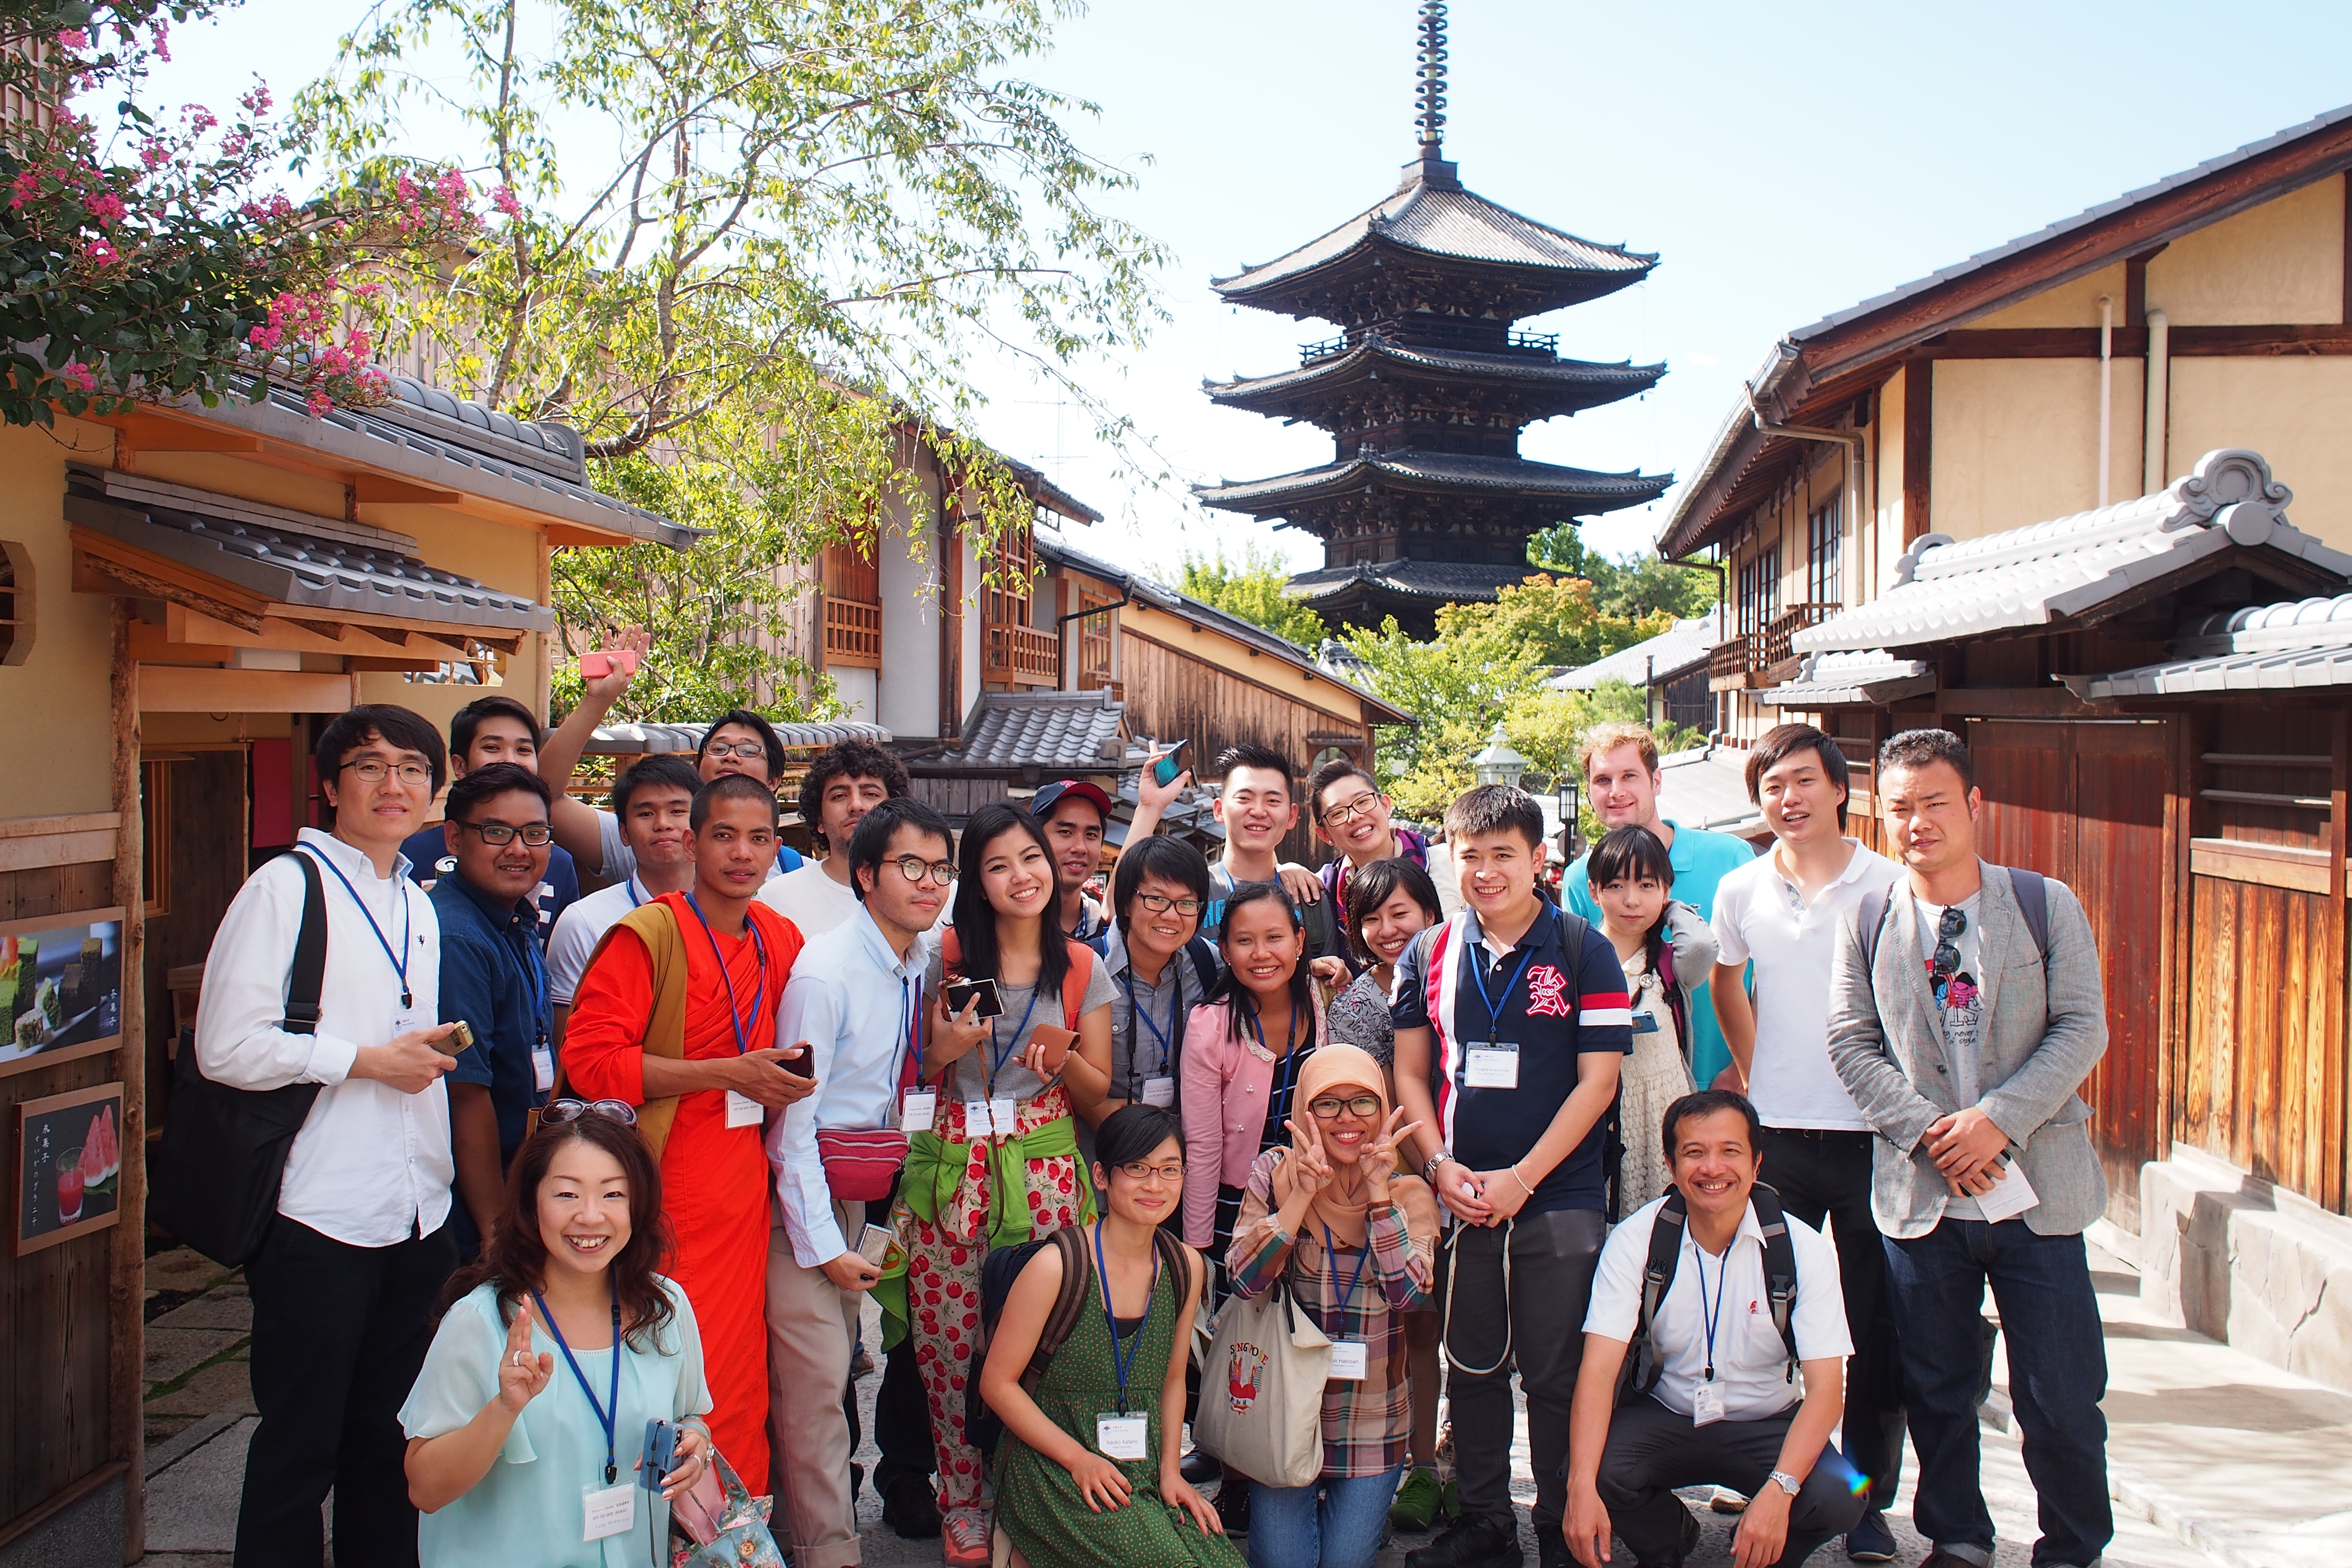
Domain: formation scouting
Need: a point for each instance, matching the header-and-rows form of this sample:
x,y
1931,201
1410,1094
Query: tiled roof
x,y
1707,788
1575,384
1067,732
1864,678
2284,646
638,740
1677,648
1442,580
1440,220
2052,571
291,557
1585,490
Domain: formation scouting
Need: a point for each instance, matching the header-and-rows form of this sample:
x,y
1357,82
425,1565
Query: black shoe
x,y
1200,1468
1472,1543
1233,1507
912,1508
857,1481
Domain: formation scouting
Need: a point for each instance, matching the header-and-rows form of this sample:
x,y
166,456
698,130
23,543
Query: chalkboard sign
x,y
68,1165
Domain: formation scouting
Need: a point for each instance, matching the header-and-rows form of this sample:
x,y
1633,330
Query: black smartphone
x,y
1166,768
660,1456
799,1062
958,995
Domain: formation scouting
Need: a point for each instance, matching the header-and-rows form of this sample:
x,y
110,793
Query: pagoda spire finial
x,y
1429,166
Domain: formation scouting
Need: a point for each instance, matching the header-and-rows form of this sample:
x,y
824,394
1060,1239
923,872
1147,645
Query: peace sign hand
x,y
522,1374
1311,1166
1381,1152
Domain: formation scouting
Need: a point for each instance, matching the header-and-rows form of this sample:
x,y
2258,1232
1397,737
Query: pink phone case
x,y
596,666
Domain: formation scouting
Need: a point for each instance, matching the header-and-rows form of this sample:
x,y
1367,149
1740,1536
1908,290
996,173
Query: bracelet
x,y
1428,1167
1521,1180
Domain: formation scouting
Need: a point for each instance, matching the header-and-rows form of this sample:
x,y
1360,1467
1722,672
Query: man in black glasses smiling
x,y
493,975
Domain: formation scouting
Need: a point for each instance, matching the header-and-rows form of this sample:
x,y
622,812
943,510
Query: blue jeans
x,y
2057,1376
1331,1523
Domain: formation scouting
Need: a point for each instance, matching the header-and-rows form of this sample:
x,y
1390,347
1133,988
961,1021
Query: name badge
x,y
1495,1064
1706,1403
1645,1022
1161,1091
977,1122
918,1110
1123,1436
607,1510
743,1110
1347,1360
1005,1116
542,1070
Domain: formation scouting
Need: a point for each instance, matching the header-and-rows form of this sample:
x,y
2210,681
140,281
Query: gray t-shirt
x,y
977,1074
1961,1004
1154,1047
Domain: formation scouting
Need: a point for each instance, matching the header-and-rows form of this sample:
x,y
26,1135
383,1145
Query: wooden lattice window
x,y
1012,650
1824,542
853,606
1094,642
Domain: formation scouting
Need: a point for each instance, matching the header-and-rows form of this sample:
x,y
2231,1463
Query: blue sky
x,y
1786,161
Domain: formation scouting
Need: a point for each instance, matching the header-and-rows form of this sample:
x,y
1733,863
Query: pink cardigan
x,y
1225,1086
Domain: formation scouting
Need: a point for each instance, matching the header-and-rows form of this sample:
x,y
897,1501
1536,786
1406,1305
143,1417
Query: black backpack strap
x,y
1204,962
2033,893
308,976
1643,1365
1780,1266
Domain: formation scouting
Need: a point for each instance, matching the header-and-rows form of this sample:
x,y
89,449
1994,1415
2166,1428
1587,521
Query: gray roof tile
x,y
1070,732
1588,489
1677,648
2294,643
1442,221
1864,678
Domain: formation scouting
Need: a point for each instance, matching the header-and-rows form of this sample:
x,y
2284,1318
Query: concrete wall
x,y
2282,261
59,692
2017,441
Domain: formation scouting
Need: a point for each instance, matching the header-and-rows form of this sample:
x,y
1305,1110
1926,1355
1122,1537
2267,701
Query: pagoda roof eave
x,y
1575,384
1579,490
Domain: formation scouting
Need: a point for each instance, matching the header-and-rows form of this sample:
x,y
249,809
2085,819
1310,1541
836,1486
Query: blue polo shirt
x,y
1701,860
494,976
428,851
1553,994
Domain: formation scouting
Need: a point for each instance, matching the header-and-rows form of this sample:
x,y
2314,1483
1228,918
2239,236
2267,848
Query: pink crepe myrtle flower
x,y
106,207
78,375
164,41
26,186
507,201
73,39
98,251
320,404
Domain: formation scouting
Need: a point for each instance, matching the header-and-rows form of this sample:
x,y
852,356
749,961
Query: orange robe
x,y
715,1178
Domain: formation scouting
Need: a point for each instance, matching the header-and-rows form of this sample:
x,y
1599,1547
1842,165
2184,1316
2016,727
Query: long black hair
x,y
975,917
1369,887
1241,1016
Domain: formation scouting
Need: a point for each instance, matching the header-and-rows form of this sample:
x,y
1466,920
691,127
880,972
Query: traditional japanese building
x,y
1426,499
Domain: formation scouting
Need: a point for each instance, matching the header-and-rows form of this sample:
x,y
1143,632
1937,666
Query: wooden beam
x,y
183,689
1918,440
2136,287
126,1285
146,431
103,572
2283,339
2017,702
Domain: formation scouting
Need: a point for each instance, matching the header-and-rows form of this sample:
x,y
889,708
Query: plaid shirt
x,y
1366,1425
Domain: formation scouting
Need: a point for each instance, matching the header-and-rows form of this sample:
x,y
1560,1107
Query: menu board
x,y
69,1166
60,985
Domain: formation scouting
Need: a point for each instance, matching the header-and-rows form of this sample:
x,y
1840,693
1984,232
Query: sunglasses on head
x,y
562,1111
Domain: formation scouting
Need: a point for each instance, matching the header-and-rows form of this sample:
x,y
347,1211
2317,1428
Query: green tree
x,y
1634,586
1556,619
1455,686
1251,589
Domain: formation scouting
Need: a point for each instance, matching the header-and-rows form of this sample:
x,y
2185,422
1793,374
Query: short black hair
x,y
1917,748
758,726
1707,1102
1371,886
470,718
1259,756
489,781
872,836
395,726
1170,859
1133,1131
1332,773
1628,853
1495,808
1783,742
731,786
848,760
662,769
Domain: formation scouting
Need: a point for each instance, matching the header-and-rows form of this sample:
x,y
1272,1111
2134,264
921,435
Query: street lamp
x,y
1499,764
1568,809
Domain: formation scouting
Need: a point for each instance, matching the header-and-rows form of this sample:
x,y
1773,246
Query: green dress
x,y
1040,1506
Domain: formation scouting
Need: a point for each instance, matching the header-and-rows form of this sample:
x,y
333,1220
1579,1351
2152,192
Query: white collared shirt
x,y
1760,913
580,927
371,1166
855,1001
1751,1360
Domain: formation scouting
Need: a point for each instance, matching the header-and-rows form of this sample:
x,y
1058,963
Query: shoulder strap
x,y
2034,903
1175,1259
308,976
1780,1266
1657,1278
1872,920
1573,928
1204,962
950,949
1075,982
1077,1275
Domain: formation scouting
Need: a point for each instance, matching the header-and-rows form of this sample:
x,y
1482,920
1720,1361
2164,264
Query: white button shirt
x,y
854,1002
371,1166
1751,1360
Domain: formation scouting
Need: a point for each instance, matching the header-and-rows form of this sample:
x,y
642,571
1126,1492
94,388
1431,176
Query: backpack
x,y
221,1162
2033,893
999,1269
1644,1366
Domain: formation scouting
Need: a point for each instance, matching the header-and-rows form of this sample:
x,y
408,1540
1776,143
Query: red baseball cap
x,y
1044,802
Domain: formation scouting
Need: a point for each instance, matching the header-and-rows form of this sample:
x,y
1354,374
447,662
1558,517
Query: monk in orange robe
x,y
676,1014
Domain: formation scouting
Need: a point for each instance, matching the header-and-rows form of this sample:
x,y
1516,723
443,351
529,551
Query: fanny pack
x,y
860,1163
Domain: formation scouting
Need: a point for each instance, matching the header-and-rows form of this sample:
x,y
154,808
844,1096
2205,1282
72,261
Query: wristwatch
x,y
1429,1168
1787,1482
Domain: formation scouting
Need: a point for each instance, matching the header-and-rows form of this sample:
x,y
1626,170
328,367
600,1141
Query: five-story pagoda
x,y
1426,499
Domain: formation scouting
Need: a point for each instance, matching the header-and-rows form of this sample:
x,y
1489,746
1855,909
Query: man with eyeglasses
x,y
1964,1035
1353,817
494,976
496,729
855,1001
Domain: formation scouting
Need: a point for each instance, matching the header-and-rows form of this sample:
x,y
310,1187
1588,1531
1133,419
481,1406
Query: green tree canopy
x,y
1251,589
1634,586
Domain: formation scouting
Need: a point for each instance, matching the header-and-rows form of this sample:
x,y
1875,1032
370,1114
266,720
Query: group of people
x,y
691,1122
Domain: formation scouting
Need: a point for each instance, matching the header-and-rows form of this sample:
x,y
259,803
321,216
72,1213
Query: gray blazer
x,y
2040,1043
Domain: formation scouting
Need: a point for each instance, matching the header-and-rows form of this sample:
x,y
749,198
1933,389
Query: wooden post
x,y
127,1274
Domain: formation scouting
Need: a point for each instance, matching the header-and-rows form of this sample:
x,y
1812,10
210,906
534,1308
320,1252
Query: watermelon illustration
x,y
102,1151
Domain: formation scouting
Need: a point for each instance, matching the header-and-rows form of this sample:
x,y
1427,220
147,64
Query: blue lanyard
x,y
1479,974
759,951
632,885
1175,1011
1331,1262
1710,1316
1122,1365
910,1029
608,1413
399,960
1001,1054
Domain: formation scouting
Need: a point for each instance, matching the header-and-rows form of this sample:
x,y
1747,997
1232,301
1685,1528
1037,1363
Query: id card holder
x,y
1123,1436
743,1110
1159,1091
918,1110
977,1122
542,1070
1494,1065
1706,1403
607,1510
1645,1022
1004,1115
1348,1361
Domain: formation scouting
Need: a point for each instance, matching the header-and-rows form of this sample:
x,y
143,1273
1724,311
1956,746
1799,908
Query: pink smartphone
x,y
596,666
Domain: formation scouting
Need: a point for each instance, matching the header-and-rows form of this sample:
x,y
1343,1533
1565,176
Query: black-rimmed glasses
x,y
1347,811
562,1111
747,750
1367,1106
1160,903
532,833
914,868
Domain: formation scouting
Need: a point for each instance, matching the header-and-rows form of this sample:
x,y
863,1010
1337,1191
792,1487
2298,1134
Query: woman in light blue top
x,y
555,1349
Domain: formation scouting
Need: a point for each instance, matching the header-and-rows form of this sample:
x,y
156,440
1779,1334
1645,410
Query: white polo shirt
x,y
581,927
1762,914
1751,1360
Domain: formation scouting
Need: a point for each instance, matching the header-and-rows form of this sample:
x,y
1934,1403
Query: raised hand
x,y
522,1374
1381,1152
1310,1161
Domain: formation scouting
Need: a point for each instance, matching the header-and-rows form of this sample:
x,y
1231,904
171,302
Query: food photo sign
x,y
60,988
68,1165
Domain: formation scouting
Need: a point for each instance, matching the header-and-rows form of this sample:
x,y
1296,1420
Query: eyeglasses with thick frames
x,y
1171,1174
560,1110
498,833
1347,811
1328,1108
914,868
747,750
374,771
1160,903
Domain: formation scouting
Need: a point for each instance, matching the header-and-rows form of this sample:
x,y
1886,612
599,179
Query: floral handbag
x,y
724,1524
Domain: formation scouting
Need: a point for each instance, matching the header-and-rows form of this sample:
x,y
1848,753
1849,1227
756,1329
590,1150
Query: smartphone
x,y
1166,768
594,666
659,1457
461,1037
957,994
799,1061
873,1244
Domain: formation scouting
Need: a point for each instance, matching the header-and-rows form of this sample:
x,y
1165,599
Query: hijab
x,y
1338,1067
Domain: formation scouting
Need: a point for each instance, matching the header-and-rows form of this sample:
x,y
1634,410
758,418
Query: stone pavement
x,y
2217,1459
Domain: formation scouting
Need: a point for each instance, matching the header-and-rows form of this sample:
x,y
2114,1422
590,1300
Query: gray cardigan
x,y
2040,1042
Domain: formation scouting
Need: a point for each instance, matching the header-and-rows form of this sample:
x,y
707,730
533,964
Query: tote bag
x,y
1266,1420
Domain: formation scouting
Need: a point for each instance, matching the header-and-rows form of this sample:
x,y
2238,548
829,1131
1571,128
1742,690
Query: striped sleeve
x,y
1604,1006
